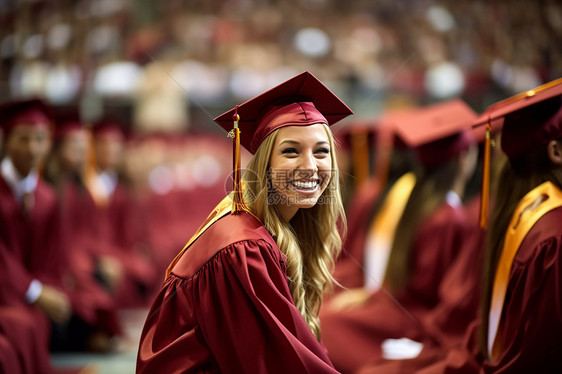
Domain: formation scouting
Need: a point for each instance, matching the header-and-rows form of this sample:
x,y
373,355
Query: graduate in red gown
x,y
411,242
445,325
89,287
243,296
122,240
389,165
520,327
32,258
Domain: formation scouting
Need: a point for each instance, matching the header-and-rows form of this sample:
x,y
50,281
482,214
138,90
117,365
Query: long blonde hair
x,y
311,241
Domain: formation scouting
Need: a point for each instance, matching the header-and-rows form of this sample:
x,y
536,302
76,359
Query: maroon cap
x,y
530,119
109,127
300,101
66,122
29,112
438,132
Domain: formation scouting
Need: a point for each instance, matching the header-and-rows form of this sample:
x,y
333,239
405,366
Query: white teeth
x,y
307,185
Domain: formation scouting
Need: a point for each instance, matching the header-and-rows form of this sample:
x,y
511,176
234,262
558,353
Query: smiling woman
x,y
300,167
244,294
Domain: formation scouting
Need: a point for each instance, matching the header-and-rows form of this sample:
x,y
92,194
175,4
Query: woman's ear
x,y
554,150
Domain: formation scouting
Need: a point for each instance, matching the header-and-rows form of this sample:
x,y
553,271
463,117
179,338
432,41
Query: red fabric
x,y
31,243
26,331
300,101
445,325
227,308
532,317
89,300
8,357
29,249
354,336
120,235
295,114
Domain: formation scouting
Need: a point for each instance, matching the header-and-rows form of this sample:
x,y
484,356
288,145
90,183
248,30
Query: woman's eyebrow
x,y
290,142
321,142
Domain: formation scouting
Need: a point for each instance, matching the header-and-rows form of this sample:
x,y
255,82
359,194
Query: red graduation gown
x,y
31,243
29,249
226,307
23,342
8,357
446,324
354,336
532,314
121,236
89,300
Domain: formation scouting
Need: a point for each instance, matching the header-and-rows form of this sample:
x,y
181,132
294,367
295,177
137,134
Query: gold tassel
x,y
238,199
485,195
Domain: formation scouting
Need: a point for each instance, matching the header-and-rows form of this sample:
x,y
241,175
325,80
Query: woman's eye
x,y
289,151
323,150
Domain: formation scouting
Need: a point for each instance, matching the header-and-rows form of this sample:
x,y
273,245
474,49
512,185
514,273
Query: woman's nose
x,y
309,163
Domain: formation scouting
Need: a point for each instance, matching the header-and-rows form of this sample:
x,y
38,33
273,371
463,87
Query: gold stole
x,y
381,231
529,210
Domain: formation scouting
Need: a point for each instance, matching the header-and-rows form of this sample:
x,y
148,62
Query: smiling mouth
x,y
310,185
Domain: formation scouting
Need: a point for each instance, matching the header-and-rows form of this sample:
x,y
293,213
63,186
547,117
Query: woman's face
x,y
108,149
74,150
27,146
300,168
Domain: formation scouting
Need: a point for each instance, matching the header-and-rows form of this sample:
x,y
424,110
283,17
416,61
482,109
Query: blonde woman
x,y
244,294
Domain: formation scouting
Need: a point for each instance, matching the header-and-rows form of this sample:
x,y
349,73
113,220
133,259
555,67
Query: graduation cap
x,y
109,126
34,112
300,101
529,119
66,122
437,133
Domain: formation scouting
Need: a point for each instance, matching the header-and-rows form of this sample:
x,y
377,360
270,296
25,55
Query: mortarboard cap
x,y
109,126
66,122
437,133
530,119
300,101
30,112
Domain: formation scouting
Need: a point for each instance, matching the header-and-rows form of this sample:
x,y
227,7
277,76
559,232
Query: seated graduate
x,y
414,237
520,329
244,294
390,165
32,259
89,291
123,253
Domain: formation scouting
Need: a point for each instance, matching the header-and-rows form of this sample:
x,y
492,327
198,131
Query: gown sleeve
x,y
246,314
14,278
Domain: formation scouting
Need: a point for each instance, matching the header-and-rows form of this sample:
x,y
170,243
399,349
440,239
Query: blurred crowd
x,y
143,54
